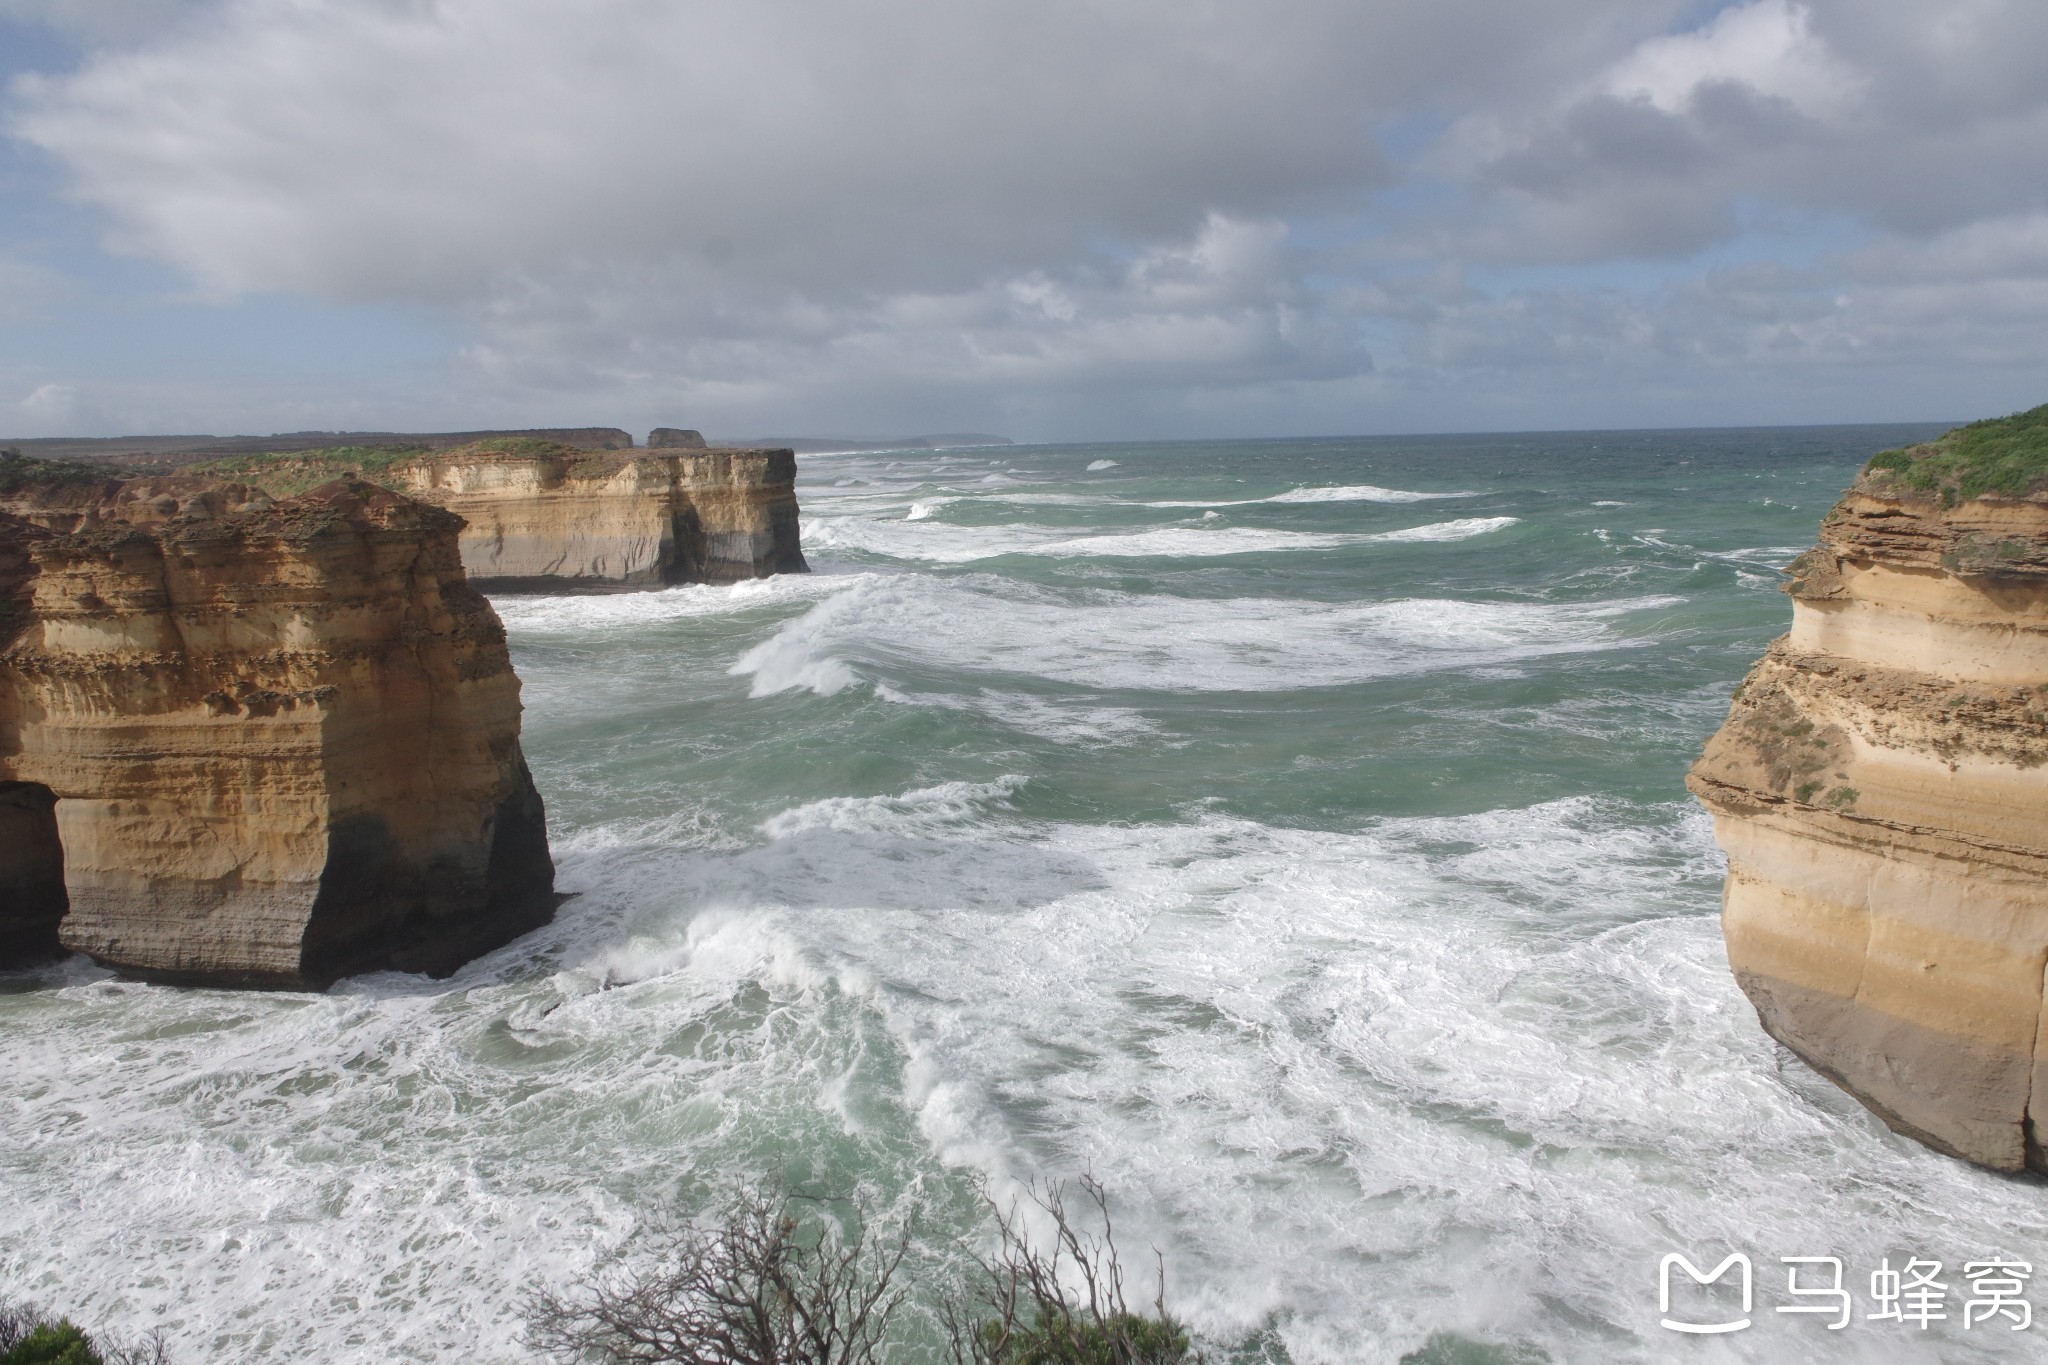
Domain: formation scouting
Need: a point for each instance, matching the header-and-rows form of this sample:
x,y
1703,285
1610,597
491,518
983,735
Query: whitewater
x,y
1291,834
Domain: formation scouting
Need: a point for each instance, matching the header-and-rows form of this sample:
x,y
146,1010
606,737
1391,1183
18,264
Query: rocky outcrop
x,y
553,519
1881,789
675,438
67,501
282,736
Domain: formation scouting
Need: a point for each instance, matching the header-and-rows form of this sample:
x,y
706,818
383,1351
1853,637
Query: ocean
x,y
1291,834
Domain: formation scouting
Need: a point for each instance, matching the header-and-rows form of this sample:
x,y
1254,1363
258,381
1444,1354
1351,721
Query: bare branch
x,y
1064,1306
761,1288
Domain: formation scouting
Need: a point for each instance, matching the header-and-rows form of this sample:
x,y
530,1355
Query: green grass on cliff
x,y
2000,457
518,445
286,473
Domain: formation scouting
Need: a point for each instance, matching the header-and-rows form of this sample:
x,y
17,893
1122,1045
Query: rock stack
x,y
1881,789
277,740
550,518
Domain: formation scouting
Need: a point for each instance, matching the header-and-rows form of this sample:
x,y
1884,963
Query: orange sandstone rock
x,y
1881,789
32,899
283,736
555,519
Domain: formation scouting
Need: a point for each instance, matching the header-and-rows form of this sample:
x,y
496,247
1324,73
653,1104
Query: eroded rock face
x,y
1881,792
283,736
566,520
90,502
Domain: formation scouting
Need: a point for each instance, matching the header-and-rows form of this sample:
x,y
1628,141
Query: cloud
x,y
1837,107
1767,48
745,209
50,401
375,149
1219,310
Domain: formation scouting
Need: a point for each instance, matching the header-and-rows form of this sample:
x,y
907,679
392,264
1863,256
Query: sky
x,y
1055,220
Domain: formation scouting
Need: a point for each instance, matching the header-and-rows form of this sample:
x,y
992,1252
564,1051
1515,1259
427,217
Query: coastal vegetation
x,y
29,1336
287,473
775,1283
1998,457
19,473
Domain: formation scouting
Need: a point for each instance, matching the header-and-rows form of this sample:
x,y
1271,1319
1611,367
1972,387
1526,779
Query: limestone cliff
x,y
550,518
32,899
1881,789
282,736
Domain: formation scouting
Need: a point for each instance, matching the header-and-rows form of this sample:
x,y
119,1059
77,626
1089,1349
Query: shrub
x,y
2000,457
1065,1306
287,473
30,1337
21,473
761,1288
54,1344
764,1288
517,445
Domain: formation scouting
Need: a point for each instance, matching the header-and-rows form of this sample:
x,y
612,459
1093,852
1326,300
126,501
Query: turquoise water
x,y
1289,833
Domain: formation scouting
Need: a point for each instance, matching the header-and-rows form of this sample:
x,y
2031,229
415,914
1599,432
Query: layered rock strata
x,y
282,736
1881,789
560,519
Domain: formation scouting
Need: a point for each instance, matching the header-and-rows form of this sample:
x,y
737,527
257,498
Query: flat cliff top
x,y
1973,502
89,507
2000,457
159,451
287,473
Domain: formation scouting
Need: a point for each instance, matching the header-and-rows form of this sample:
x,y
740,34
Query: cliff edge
x,y
277,740
1881,789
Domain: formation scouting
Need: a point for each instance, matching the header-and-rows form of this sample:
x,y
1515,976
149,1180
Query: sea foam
x,y
1360,492
917,537
984,626
1356,1085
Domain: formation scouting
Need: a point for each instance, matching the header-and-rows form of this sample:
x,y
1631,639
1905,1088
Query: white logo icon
x,y
1700,1277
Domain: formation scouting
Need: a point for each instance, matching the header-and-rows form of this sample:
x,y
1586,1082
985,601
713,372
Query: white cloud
x,y
50,402
1768,47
